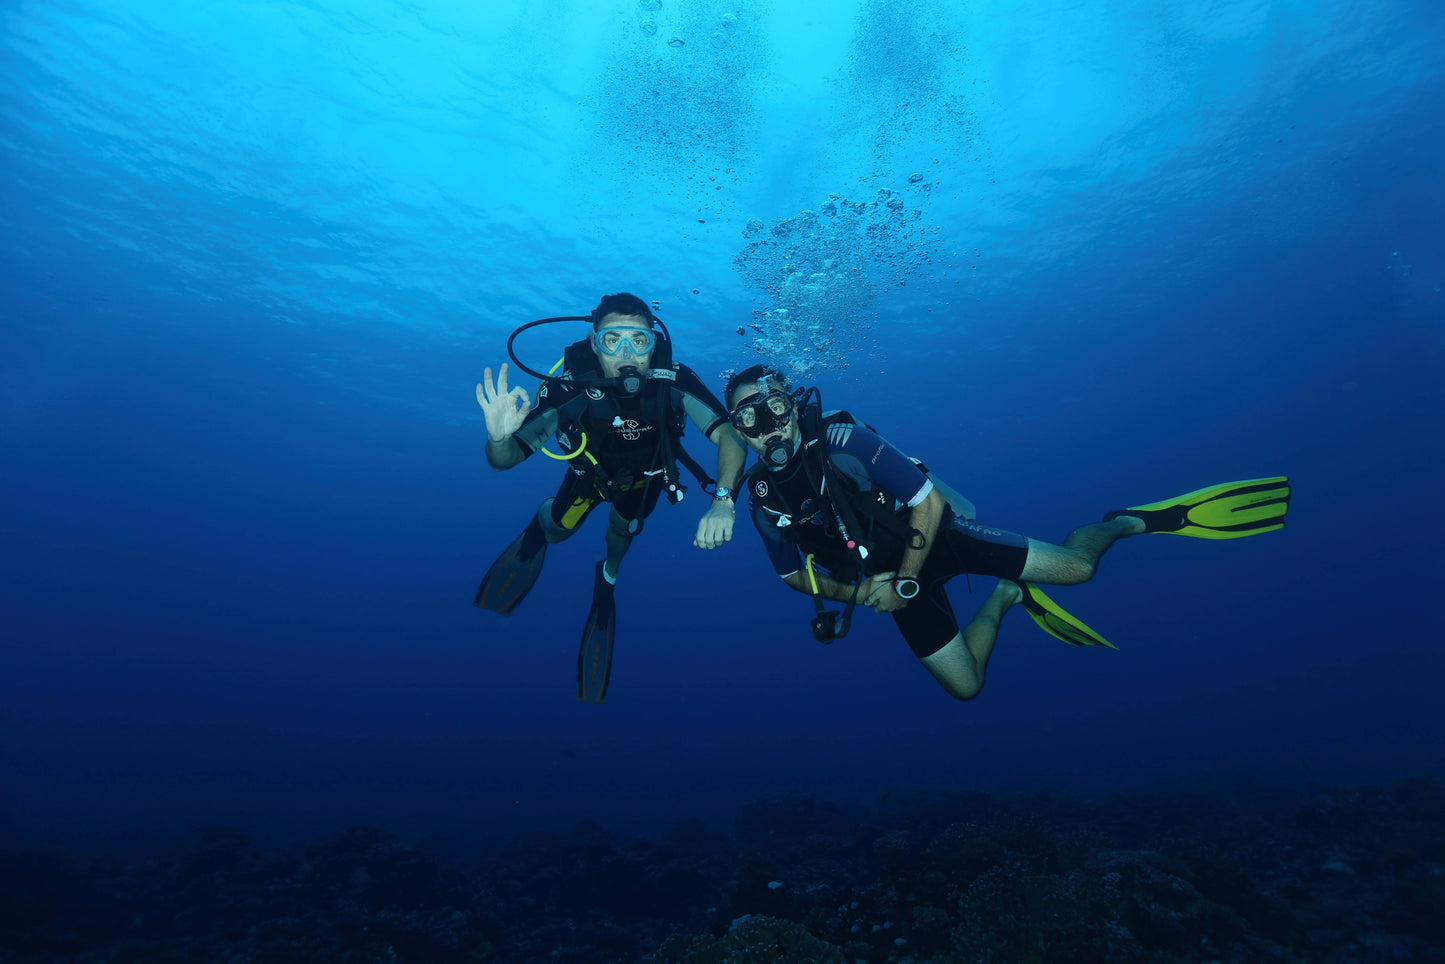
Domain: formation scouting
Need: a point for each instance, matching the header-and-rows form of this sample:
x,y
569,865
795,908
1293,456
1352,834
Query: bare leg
x,y
961,664
619,539
1076,560
619,535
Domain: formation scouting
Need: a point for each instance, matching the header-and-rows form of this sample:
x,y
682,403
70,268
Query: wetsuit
x,y
624,435
794,520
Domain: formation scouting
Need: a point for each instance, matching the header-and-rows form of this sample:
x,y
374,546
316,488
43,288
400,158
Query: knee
x,y
963,690
553,530
620,528
955,668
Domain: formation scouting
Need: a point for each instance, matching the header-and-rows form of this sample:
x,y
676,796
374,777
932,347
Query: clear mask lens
x,y
624,341
759,416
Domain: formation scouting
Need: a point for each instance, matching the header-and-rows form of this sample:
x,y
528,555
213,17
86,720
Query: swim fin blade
x,y
1057,621
514,573
594,656
1230,510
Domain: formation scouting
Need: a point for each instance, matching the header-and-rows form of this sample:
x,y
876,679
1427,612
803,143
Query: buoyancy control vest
x,y
627,441
869,521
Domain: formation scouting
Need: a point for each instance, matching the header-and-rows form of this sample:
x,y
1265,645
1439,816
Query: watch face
x,y
906,588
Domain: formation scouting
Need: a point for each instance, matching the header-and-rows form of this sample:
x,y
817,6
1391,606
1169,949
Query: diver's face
x,y
625,335
753,392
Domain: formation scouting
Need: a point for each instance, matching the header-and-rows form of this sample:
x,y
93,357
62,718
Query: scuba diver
x,y
617,403
828,493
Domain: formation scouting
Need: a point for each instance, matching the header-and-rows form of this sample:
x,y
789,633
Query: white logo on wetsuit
x,y
630,430
761,489
809,512
972,526
594,393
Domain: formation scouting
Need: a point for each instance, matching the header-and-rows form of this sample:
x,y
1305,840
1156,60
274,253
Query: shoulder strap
x,y
859,515
672,421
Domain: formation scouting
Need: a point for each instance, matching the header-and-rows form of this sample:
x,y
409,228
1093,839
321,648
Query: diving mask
x,y
762,414
624,340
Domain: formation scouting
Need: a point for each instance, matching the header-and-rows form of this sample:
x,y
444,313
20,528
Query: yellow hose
x,y
582,449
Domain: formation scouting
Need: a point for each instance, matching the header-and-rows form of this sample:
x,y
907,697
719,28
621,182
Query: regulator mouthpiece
x,y
629,380
778,453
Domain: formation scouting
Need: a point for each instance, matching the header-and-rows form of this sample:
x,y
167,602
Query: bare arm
x,y
731,454
504,454
716,526
832,589
925,518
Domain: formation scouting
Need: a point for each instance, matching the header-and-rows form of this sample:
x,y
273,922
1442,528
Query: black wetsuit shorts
x,y
927,622
578,495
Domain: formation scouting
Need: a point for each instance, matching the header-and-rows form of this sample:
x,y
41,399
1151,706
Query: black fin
x,y
594,655
514,573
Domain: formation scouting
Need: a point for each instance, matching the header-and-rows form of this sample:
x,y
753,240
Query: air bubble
x,y
677,42
817,272
648,27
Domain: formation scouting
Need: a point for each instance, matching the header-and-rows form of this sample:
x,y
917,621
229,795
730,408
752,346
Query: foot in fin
x,y
513,574
1230,510
594,656
1056,621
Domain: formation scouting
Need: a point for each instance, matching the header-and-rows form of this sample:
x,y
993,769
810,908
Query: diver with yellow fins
x,y
846,517
617,403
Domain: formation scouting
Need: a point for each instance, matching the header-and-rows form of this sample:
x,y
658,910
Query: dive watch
x,y
905,587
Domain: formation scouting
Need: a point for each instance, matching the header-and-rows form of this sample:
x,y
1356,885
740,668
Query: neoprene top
x,y
628,430
793,520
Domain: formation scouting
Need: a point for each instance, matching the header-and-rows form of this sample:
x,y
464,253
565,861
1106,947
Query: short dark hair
x,y
622,303
755,373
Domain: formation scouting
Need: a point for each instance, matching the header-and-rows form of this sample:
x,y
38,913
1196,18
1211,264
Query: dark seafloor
x,y
1351,875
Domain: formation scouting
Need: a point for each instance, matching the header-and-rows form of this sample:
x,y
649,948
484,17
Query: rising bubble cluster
x,y
818,272
902,97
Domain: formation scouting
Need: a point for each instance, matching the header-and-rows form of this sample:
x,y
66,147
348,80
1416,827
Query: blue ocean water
x,y
256,256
